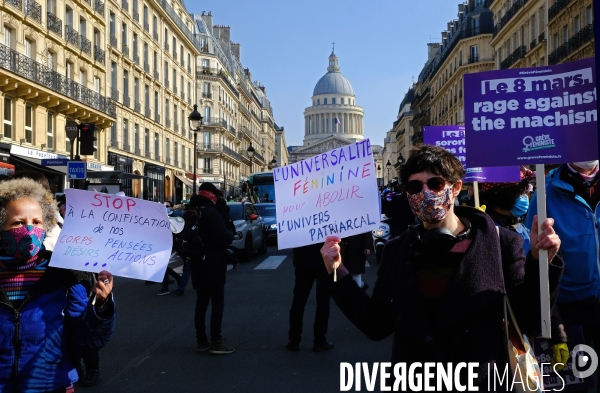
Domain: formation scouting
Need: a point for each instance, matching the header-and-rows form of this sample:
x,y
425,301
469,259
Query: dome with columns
x,y
334,110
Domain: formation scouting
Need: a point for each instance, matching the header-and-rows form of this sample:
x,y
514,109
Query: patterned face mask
x,y
429,206
24,242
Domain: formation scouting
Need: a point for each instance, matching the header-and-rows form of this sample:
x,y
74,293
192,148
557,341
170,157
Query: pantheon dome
x,y
334,110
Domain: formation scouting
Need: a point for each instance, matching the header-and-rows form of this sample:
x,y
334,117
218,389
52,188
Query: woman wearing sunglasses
x,y
441,284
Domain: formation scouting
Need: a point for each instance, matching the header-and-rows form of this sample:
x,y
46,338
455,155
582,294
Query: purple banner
x,y
524,116
452,138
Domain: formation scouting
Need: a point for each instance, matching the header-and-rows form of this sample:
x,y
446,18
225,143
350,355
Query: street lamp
x,y
378,172
195,120
250,152
388,166
273,163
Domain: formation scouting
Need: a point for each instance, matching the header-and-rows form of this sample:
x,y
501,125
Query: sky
x,y
381,45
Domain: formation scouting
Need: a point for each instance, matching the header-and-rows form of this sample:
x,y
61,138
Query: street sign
x,y
55,161
71,129
76,170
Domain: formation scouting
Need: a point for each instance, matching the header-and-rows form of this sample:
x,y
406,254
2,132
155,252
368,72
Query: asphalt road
x,y
153,349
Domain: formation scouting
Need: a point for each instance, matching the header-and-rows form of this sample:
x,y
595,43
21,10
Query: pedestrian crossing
x,y
270,263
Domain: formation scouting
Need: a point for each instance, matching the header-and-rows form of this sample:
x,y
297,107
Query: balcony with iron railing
x,y
136,16
127,148
244,110
157,117
146,27
114,94
206,71
113,40
580,38
156,75
136,58
125,5
71,36
510,13
167,82
137,107
206,94
260,157
115,143
232,130
232,153
148,113
155,36
126,100
98,54
168,123
166,46
99,6
517,54
175,126
18,4
175,18
473,59
542,37
125,50
533,44
147,67
33,11
175,89
556,8
30,69
189,69
54,24
85,45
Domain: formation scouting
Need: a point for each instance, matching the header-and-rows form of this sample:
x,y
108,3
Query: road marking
x,y
271,262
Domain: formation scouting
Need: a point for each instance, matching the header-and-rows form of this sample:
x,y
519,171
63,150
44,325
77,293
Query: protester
x,y
396,208
38,177
441,285
572,196
73,324
354,252
307,262
209,271
507,204
164,289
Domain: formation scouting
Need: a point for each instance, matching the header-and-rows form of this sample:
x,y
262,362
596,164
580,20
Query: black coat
x,y
353,252
309,257
469,327
211,271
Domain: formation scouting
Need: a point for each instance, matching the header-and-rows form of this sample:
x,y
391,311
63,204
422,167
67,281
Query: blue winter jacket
x,y
55,324
577,225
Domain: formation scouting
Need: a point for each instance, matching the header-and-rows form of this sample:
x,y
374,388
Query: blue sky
x,y
381,45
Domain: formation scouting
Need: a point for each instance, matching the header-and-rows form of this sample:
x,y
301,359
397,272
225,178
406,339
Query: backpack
x,y
188,242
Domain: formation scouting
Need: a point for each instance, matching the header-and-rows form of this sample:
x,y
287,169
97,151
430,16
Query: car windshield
x,y
236,212
266,210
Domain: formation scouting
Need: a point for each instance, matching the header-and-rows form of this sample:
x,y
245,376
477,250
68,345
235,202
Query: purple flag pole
x,y
597,45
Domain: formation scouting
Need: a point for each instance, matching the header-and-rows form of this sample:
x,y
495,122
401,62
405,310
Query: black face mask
x,y
503,220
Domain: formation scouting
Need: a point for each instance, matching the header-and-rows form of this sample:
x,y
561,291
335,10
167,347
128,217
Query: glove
x,y
482,208
561,355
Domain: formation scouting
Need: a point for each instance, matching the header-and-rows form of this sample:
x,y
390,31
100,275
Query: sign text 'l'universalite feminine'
x,y
543,115
332,193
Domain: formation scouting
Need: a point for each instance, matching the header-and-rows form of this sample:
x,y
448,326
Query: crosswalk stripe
x,y
271,262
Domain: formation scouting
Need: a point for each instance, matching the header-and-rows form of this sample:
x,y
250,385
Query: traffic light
x,y
87,139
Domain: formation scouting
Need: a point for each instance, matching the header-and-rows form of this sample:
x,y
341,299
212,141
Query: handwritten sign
x,y
126,236
541,115
452,138
333,193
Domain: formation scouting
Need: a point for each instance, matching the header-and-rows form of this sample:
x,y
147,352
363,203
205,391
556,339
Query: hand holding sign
x,y
547,239
331,253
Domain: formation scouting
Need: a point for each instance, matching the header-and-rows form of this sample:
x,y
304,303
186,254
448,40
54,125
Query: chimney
x,y
461,8
225,34
236,50
208,20
263,89
432,48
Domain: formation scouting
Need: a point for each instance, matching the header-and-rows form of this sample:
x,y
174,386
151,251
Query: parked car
x,y
250,230
268,212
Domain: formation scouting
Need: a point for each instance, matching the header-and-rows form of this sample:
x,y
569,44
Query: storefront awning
x,y
37,164
185,180
113,175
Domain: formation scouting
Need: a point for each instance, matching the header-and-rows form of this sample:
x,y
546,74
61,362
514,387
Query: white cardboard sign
x,y
128,237
333,193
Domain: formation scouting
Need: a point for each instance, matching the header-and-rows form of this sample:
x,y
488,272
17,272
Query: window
x,y
175,114
174,48
147,141
7,37
542,63
126,134
28,47
474,52
113,133
533,30
189,63
156,106
155,63
167,110
135,45
342,100
125,84
555,41
181,56
565,34
111,24
113,77
50,132
206,114
145,17
156,146
176,153
207,165
206,89
588,15
206,139
8,110
145,54
136,138
205,63
97,84
189,92
166,71
147,96
124,35
29,124
319,101
175,80
168,150
69,70
333,101
155,26
576,25
136,90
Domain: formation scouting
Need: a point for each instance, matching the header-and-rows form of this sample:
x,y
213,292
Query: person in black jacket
x,y
208,272
442,285
309,266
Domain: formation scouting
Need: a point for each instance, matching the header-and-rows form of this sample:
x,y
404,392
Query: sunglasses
x,y
435,184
